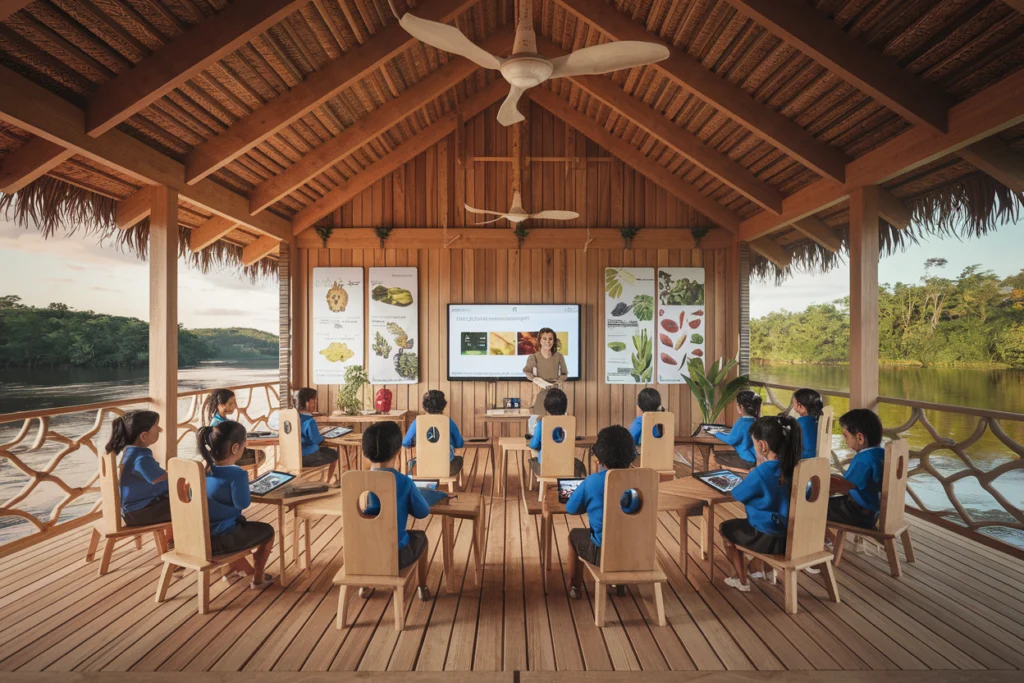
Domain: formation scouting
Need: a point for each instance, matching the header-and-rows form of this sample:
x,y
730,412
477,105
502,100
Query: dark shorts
x,y
582,542
325,456
157,512
416,546
453,470
580,468
245,535
251,457
739,532
732,459
843,510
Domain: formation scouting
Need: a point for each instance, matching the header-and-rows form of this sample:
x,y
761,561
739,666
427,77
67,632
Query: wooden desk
x,y
705,497
277,499
703,443
492,429
402,417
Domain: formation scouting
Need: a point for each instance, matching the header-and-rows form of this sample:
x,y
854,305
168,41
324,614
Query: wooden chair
x,y
658,453
111,528
432,457
629,545
805,536
558,458
371,545
290,443
891,519
825,425
190,520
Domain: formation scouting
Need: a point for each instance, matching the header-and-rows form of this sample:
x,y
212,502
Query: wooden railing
x,y
928,444
46,455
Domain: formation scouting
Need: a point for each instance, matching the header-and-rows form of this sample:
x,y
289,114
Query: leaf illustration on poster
x,y
338,325
394,326
682,322
629,305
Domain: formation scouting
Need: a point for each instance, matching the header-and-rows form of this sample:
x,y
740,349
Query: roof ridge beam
x,y
31,161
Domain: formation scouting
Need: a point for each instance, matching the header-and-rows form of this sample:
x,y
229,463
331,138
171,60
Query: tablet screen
x,y
720,480
566,488
263,485
427,484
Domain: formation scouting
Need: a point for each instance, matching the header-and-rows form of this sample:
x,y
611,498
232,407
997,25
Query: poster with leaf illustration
x,y
394,326
681,322
629,309
338,333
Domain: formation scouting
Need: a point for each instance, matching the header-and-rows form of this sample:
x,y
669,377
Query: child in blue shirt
x,y
808,406
615,450
313,454
555,403
218,407
862,483
143,483
749,405
227,494
434,403
764,493
647,401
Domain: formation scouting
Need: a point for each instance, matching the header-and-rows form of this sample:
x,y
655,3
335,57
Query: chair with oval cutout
x,y
290,447
559,457
825,425
433,449
658,452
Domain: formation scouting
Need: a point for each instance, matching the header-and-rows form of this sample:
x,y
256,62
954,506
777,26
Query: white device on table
x,y
336,432
723,481
566,487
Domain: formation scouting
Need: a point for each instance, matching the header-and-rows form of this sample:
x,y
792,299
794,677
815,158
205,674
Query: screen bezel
x,y
522,377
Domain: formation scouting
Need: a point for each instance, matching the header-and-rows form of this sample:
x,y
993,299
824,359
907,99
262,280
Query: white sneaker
x,y
734,581
767,576
234,574
267,580
812,570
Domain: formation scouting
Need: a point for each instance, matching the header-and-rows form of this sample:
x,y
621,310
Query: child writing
x,y
313,454
764,493
862,483
555,403
227,493
647,401
143,485
749,405
217,408
434,403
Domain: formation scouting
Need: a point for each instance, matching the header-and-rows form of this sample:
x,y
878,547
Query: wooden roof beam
x,y
822,158
318,87
1000,162
264,246
893,210
854,61
131,211
773,251
634,158
181,59
819,231
31,161
209,232
9,7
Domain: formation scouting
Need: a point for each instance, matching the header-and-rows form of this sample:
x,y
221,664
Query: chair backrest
x,y
894,486
432,457
808,508
190,513
371,543
629,541
825,425
658,453
110,492
557,458
289,434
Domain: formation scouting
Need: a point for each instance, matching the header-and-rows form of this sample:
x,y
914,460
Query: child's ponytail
x,y
126,429
811,400
216,398
784,439
750,402
205,449
215,442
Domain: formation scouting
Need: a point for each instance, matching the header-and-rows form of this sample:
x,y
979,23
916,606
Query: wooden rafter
x,y
34,159
636,159
318,87
264,246
9,7
893,210
690,74
820,232
181,59
854,61
129,212
997,160
773,251
209,232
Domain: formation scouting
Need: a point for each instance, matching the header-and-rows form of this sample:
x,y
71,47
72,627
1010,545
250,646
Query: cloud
x,y
210,312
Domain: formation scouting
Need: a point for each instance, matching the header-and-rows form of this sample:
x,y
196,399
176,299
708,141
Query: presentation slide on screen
x,y
494,340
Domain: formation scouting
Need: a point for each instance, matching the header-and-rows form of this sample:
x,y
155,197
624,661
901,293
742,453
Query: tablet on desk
x,y
722,481
336,432
270,481
427,484
709,429
566,487
261,435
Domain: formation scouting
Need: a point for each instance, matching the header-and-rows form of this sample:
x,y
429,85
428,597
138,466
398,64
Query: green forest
x,y
59,336
973,319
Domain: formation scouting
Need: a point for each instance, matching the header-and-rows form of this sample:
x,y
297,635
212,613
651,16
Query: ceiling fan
x,y
525,68
517,214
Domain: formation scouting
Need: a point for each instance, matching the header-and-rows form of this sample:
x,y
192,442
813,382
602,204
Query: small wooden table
x,y
701,498
400,416
276,498
492,426
704,443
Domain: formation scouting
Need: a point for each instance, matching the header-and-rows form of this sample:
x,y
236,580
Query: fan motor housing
x,y
526,71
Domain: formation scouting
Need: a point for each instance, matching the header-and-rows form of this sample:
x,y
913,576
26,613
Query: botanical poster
x,y
681,322
629,303
338,334
394,326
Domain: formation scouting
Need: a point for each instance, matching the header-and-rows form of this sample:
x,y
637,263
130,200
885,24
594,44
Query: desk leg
x,y
480,536
710,534
705,525
281,528
545,549
684,537
447,554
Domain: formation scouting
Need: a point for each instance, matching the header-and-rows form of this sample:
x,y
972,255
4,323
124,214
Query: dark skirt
x,y
580,470
843,510
325,456
740,533
157,512
416,546
732,459
245,535
583,543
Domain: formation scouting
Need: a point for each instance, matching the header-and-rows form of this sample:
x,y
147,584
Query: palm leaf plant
x,y
710,389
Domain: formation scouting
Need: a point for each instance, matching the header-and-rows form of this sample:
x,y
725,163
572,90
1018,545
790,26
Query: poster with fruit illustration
x,y
681,322
338,334
629,306
394,326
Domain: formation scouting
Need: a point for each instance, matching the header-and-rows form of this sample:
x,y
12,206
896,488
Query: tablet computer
x,y
720,480
260,435
268,482
427,484
566,487
336,432
709,428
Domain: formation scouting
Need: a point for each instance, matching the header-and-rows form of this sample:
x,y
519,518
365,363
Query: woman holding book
x,y
545,368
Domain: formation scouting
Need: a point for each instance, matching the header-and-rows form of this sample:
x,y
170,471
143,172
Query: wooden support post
x,y
163,317
864,213
299,295
284,320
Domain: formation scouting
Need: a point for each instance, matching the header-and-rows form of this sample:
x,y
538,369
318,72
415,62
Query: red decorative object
x,y
382,401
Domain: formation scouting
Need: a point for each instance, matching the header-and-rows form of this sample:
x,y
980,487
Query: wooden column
x,y
299,278
163,317
284,321
864,297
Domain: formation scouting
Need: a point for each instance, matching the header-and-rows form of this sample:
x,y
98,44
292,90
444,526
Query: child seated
x,y
862,483
647,401
434,403
313,454
218,407
808,406
615,450
143,483
764,493
749,405
555,403
227,493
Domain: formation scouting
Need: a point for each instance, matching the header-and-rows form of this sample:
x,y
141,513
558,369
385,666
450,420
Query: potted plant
x,y
349,401
710,389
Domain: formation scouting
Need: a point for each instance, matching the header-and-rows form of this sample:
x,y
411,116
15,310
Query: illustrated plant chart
x,y
629,334
338,338
394,324
681,322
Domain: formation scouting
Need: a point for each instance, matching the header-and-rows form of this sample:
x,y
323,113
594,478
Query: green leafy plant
x,y
381,346
627,236
324,233
349,401
643,358
617,346
521,234
407,365
682,292
613,279
382,234
699,233
710,388
643,307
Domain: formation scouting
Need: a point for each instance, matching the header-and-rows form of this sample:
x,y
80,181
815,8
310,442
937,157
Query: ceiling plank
x,y
181,59
819,231
131,211
9,7
990,111
996,159
318,87
636,159
689,73
773,251
893,210
31,161
369,127
854,61
264,246
46,114
209,232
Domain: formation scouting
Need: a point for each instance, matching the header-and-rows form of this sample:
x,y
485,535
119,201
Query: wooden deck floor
x,y
961,606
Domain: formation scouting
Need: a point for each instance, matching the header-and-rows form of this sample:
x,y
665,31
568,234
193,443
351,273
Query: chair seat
x,y
133,530
190,562
343,579
620,578
796,563
871,533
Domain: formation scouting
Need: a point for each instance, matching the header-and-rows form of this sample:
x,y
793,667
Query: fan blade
x,y
509,112
484,212
555,215
600,59
449,39
493,220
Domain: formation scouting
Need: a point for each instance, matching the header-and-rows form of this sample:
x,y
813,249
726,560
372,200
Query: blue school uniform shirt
x,y
766,500
217,419
453,429
865,473
538,433
311,437
739,438
637,429
809,433
409,501
227,495
589,498
139,469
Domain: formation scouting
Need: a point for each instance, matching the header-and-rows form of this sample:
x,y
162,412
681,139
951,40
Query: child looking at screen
x,y
143,483
808,406
862,483
313,454
434,403
647,401
764,493
555,403
749,405
218,407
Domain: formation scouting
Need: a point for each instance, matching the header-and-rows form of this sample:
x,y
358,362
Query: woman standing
x,y
546,368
